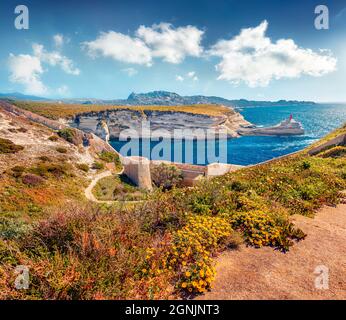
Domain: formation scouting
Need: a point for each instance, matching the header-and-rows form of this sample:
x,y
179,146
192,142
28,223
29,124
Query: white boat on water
x,y
287,127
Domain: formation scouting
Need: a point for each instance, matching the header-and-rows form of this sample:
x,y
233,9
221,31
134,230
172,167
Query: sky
x,y
259,50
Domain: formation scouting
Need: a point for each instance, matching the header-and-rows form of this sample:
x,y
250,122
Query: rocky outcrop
x,y
88,139
102,130
55,125
150,123
340,140
288,127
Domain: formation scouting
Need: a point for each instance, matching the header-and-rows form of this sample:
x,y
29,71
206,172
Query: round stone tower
x,y
138,170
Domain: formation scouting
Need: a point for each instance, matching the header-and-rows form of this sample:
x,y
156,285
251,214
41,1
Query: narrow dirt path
x,y
250,273
88,191
90,196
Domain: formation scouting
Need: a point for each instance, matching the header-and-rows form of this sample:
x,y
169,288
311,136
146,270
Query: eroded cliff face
x,y
114,123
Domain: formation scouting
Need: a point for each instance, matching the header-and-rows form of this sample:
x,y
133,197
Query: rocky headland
x,y
110,123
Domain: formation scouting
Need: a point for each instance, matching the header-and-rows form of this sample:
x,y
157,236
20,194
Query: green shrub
x,y
238,186
71,135
7,146
166,176
262,229
190,253
83,167
335,152
53,138
306,165
44,158
32,180
67,134
117,188
56,170
61,150
17,171
12,229
98,165
110,157
22,130
343,175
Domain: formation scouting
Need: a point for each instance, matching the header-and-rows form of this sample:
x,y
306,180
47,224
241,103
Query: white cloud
x,y
192,75
119,47
55,58
172,45
58,40
130,71
26,70
158,41
63,90
253,58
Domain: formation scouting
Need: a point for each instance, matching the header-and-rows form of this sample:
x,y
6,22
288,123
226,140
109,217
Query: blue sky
x,y
108,49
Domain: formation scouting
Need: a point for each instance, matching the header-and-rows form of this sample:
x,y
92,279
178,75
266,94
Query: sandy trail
x,y
90,196
264,273
88,191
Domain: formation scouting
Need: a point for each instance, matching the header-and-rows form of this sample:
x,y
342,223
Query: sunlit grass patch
x,y
115,188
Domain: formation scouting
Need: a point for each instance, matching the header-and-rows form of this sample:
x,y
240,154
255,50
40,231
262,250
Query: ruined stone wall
x,y
219,169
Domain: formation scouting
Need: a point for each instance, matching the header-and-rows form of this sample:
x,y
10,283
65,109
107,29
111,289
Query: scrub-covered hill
x,y
163,247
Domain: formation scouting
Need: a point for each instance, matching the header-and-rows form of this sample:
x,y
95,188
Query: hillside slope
x,y
41,169
160,248
250,273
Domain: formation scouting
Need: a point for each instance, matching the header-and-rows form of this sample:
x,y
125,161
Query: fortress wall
x,y
191,173
219,169
339,140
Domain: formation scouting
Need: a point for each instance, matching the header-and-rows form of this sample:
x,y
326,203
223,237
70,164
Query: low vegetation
x,y
57,110
61,150
166,176
83,166
335,152
117,188
111,157
163,247
98,165
53,138
32,179
27,191
7,146
71,135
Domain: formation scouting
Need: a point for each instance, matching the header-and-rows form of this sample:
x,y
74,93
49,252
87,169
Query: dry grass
x,y
159,248
57,110
328,137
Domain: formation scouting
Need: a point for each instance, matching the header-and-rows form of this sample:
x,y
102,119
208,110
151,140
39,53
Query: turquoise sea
x,y
317,120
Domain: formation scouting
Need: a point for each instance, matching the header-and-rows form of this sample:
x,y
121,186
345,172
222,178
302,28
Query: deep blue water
x,y
317,120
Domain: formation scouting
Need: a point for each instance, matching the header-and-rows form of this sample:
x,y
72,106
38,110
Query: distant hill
x,y
21,96
171,98
162,98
